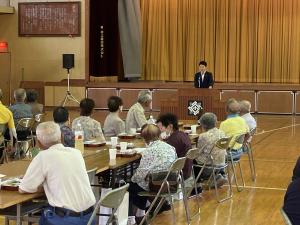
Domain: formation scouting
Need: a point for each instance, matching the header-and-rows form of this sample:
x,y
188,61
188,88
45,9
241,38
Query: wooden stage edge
x,y
267,98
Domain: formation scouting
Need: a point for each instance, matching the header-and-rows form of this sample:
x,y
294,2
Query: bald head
x,y
245,106
233,107
150,132
20,95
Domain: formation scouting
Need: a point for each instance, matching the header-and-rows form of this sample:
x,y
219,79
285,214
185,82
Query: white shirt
x,y
251,122
62,172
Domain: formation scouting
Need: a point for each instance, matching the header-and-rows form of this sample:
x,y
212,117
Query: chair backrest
x,y
25,123
114,198
91,174
39,117
240,138
252,131
223,143
177,165
285,217
193,153
2,130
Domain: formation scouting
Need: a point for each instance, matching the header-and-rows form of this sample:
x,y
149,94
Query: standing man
x,y
203,79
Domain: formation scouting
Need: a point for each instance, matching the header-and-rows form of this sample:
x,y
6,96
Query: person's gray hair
x,y
144,96
233,107
48,133
20,95
208,120
245,106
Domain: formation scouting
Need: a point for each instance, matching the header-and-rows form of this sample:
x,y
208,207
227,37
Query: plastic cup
x,y
123,146
132,130
112,154
114,141
194,129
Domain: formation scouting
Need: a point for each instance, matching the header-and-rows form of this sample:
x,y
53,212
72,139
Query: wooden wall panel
x,y
159,95
275,102
297,102
5,77
129,97
239,95
101,95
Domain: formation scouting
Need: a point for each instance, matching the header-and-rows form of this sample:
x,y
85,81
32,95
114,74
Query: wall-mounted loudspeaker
x,y
68,61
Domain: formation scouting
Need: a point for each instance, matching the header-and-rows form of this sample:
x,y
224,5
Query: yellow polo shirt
x,y
233,126
6,116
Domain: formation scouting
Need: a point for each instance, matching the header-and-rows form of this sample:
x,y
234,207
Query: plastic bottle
x,y
151,120
79,135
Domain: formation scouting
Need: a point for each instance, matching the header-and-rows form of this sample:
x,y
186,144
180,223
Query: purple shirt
x,y
182,143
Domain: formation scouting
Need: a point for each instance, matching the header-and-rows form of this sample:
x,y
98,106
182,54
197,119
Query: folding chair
x,y
113,200
193,154
222,143
285,217
239,139
25,124
247,148
92,175
176,167
4,157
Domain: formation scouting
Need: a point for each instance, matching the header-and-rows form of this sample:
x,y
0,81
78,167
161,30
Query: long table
x,y
95,157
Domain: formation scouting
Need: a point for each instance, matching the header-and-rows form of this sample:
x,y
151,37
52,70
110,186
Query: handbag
x,y
156,180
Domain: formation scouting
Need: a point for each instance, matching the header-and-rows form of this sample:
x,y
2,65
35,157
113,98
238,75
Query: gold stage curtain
x,y
242,40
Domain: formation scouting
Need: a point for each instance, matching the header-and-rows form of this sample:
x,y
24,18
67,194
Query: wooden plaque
x,y
49,19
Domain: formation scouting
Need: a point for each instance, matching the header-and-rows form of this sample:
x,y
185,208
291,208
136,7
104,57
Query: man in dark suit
x,y
203,79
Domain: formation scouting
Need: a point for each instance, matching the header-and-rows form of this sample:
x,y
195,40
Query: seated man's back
x,y
62,172
232,127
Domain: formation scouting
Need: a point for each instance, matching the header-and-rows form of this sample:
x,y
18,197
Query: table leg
x,y
19,222
113,178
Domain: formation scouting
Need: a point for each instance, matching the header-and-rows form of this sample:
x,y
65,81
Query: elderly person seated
x,y
158,156
20,110
136,117
32,96
245,107
91,128
211,134
168,125
7,121
65,182
61,117
233,126
113,124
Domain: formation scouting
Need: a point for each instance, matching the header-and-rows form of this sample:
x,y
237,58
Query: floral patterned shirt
x,y
208,139
67,135
91,128
158,156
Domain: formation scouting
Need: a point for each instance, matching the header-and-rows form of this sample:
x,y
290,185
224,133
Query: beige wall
x,y
40,58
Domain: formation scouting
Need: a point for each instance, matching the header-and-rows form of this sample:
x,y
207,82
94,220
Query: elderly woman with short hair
x,y
32,96
206,142
136,115
158,156
91,128
113,124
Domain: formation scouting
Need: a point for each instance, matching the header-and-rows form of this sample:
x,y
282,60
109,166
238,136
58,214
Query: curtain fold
x,y
242,40
129,16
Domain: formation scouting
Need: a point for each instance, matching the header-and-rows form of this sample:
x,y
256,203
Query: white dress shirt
x,y
62,172
251,122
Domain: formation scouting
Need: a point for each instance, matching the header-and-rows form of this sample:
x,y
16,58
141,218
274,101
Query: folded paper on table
x,y
139,150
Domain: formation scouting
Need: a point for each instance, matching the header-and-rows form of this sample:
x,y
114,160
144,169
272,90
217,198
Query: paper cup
x,y
132,130
123,146
112,154
114,141
194,129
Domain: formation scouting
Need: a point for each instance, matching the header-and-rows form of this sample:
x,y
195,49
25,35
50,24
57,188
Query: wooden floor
x,y
276,149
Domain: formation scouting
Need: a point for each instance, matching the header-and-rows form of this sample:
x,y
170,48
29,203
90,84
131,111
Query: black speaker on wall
x,y
68,61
